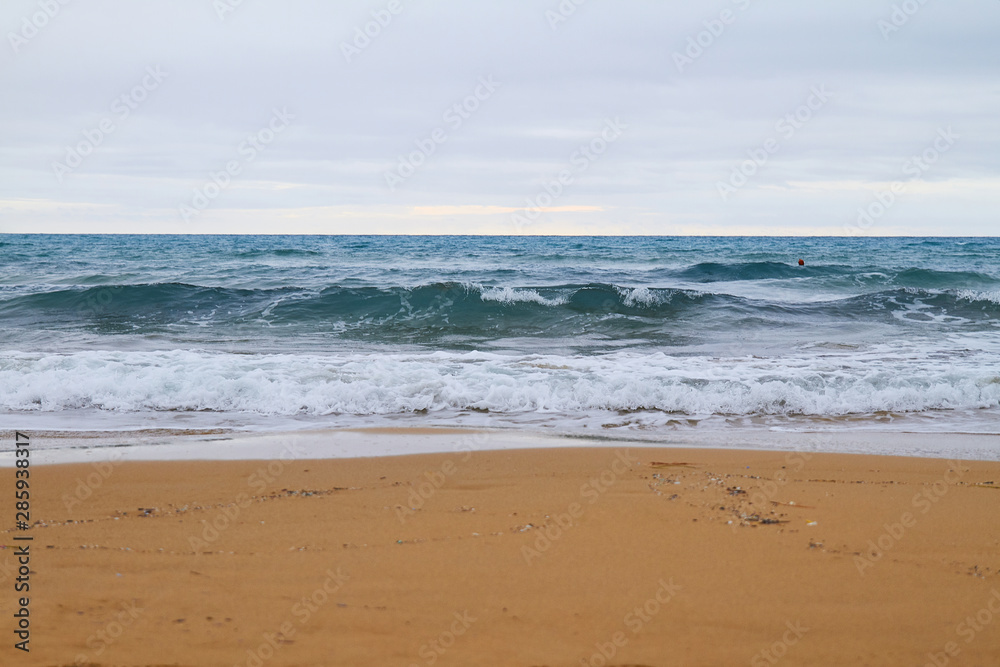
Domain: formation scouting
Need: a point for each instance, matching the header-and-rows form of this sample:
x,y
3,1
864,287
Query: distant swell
x,y
464,308
709,272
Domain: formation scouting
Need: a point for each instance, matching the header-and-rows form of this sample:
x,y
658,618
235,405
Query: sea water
x,y
587,335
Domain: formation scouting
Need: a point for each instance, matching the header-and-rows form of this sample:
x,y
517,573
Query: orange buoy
x,y
802,262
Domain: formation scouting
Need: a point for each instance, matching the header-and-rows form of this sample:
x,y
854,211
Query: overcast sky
x,y
624,117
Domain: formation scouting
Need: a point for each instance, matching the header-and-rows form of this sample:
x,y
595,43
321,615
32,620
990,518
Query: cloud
x,y
414,77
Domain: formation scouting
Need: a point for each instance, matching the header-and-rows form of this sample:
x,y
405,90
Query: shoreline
x,y
66,447
548,556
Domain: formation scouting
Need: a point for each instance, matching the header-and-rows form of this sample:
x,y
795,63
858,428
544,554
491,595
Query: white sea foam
x,y
508,295
974,295
387,384
639,296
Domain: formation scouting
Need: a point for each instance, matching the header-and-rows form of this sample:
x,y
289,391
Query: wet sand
x,y
559,557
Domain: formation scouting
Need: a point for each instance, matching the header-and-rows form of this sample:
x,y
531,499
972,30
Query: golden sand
x,y
559,557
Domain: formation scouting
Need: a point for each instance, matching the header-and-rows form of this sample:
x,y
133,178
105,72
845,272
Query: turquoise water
x,y
610,333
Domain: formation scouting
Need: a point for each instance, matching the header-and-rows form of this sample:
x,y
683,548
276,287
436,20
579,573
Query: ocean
x,y
608,335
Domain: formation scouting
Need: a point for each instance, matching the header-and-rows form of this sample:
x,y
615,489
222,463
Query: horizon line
x,y
764,236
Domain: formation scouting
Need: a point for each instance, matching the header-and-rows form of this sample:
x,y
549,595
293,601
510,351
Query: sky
x,y
721,117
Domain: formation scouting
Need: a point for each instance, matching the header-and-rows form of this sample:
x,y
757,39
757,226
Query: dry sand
x,y
538,557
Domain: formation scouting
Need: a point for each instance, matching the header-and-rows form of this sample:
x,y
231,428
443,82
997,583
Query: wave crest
x,y
396,384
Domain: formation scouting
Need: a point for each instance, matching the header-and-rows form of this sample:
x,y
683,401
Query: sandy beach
x,y
559,557
500,334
